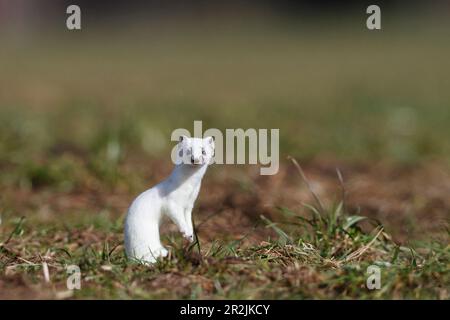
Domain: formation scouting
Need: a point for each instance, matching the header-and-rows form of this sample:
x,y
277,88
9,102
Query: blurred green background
x,y
120,86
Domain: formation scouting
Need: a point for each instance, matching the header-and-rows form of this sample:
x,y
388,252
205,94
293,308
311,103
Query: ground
x,y
241,254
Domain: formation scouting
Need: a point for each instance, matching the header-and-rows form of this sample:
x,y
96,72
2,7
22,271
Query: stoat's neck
x,y
184,173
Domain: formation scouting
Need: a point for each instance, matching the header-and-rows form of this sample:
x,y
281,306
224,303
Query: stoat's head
x,y
195,151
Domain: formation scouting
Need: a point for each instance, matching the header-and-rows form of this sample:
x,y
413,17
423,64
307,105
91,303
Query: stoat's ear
x,y
183,138
210,140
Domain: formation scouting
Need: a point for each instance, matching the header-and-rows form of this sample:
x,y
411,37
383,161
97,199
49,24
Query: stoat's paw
x,y
188,236
153,256
160,252
147,260
163,252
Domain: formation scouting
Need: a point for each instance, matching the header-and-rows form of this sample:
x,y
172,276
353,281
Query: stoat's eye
x,y
203,152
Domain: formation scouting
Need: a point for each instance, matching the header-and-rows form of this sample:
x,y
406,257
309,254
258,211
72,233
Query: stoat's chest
x,y
185,194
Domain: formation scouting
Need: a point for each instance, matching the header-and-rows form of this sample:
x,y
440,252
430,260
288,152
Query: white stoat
x,y
174,197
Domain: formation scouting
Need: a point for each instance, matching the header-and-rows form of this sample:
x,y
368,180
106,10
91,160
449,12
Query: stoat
x,y
174,197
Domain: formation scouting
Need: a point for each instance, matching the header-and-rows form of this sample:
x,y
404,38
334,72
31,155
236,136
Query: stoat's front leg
x,y
188,213
177,214
190,228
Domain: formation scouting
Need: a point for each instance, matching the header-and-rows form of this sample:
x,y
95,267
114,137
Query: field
x,y
85,123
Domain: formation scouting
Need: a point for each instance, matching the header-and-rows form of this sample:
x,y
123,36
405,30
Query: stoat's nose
x,y
195,160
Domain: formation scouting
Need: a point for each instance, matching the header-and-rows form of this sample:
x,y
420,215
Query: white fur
x,y
174,197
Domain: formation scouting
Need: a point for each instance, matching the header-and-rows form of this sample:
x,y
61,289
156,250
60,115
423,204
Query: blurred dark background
x,y
49,12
